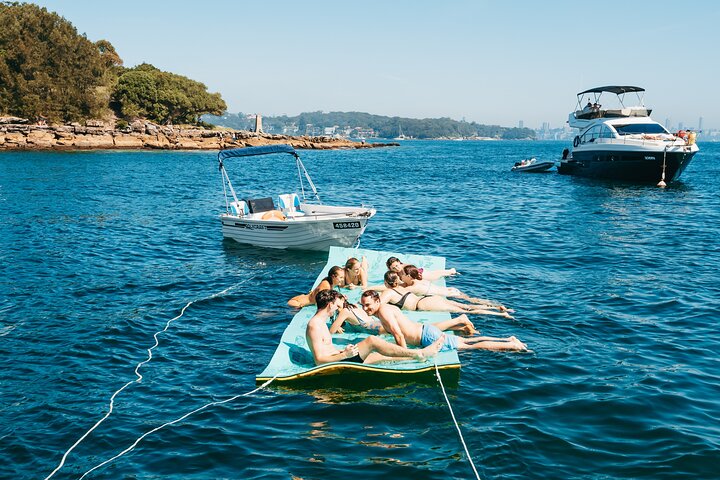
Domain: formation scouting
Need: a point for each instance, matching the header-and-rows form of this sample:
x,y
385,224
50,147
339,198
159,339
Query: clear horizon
x,y
481,61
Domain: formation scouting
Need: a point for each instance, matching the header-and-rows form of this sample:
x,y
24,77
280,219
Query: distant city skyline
x,y
484,61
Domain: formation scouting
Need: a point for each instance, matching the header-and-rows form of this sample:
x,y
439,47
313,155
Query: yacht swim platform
x,y
293,361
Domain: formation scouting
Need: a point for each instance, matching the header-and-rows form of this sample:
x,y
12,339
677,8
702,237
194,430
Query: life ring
x,y
576,142
273,214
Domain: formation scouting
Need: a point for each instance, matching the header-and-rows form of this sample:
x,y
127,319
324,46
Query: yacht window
x,y
606,132
640,128
591,134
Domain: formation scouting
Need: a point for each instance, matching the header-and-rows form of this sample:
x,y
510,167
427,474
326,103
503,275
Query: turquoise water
x,y
615,288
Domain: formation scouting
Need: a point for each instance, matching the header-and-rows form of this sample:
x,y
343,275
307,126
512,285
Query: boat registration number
x,y
344,225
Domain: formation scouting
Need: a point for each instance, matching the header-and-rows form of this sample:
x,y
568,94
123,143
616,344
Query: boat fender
x,y
576,142
273,214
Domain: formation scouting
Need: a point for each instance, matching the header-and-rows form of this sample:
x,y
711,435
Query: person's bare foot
x,y
517,344
431,350
467,326
507,315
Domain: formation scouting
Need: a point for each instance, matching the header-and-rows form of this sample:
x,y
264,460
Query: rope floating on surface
x,y
141,437
462,440
137,372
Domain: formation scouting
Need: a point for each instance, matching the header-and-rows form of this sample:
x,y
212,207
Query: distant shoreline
x,y
142,135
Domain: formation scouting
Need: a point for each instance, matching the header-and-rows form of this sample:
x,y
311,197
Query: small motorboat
x,y
532,165
288,220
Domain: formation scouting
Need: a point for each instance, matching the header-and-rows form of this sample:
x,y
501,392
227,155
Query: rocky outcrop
x,y
16,134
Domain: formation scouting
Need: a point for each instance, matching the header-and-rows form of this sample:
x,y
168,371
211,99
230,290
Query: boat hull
x,y
292,234
535,167
637,166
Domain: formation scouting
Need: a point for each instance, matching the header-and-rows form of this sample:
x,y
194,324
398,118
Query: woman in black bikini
x,y
404,299
355,316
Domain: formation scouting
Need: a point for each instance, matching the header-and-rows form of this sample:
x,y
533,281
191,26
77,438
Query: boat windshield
x,y
633,128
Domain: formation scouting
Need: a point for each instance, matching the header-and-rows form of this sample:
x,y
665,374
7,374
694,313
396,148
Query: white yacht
x,y
288,220
622,142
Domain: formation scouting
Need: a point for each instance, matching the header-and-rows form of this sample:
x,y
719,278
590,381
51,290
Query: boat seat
x,y
289,204
259,205
239,208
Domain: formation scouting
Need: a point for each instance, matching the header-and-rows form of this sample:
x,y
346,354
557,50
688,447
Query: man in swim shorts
x,y
372,349
407,332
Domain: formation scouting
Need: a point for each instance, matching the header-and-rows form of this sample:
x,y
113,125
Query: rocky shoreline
x,y
96,135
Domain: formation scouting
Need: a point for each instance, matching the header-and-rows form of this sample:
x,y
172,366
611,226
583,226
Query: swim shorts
x,y
355,359
430,333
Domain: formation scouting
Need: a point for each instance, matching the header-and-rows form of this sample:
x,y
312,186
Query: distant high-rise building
x,y
546,126
667,123
700,124
681,125
520,124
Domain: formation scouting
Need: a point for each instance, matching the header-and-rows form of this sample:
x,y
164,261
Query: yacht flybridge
x,y
288,220
622,142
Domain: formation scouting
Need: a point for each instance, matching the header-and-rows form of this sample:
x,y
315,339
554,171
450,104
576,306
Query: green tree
x,y
163,97
47,69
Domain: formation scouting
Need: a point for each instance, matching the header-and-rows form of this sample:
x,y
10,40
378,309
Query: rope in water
x,y
140,438
462,440
137,373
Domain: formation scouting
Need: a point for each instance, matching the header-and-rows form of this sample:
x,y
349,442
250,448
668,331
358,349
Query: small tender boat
x,y
288,220
532,165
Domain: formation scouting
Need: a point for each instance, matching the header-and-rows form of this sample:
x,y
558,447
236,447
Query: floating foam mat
x,y
293,361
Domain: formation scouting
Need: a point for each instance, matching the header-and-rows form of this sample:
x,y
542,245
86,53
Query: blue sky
x,y
493,62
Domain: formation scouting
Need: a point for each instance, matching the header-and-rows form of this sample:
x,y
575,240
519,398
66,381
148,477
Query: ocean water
x,y
615,287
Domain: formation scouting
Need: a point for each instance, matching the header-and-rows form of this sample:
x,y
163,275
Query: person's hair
x,y
391,278
326,297
391,260
413,272
332,273
371,293
352,261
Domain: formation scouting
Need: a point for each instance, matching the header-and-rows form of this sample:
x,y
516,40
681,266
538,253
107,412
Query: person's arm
x,y
363,277
385,296
324,357
393,328
436,274
336,326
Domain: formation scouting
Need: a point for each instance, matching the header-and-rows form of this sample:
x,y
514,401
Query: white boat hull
x,y
319,229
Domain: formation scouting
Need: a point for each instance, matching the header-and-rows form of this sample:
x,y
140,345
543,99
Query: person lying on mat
x,y
407,332
414,280
335,278
395,265
404,298
356,273
355,316
372,349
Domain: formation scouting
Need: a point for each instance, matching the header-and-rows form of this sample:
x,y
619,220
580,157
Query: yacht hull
x,y
636,166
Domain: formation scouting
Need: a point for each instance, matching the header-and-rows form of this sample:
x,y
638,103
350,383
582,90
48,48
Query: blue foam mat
x,y
292,359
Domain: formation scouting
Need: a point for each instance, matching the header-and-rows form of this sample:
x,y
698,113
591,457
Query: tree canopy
x,y
163,97
49,70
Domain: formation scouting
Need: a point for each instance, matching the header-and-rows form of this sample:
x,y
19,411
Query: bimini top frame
x,y
265,150
619,90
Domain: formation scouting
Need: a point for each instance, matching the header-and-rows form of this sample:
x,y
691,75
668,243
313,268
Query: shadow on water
x,y
235,251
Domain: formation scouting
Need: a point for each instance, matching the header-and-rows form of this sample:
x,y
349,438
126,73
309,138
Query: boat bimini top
x,y
585,114
263,150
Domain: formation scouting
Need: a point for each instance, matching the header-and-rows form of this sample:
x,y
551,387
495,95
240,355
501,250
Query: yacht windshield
x,y
640,128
